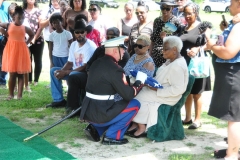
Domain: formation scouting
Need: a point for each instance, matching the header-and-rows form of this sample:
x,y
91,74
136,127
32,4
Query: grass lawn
x,y
31,114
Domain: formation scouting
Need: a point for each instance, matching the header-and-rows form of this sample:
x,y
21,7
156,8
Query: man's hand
x,y
59,74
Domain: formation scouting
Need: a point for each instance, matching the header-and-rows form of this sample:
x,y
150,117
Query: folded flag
x,y
150,81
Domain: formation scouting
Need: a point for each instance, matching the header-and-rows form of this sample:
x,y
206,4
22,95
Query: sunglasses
x,y
79,32
165,8
138,45
92,10
137,13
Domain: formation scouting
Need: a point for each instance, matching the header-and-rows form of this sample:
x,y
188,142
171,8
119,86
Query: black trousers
x,y
76,89
36,51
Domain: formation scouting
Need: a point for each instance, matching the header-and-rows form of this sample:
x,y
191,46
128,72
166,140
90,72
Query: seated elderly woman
x,y
173,76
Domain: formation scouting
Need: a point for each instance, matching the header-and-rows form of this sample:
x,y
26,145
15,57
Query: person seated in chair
x,y
83,48
173,76
106,78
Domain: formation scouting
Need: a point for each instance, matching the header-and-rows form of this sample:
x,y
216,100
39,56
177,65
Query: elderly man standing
x,y
80,52
105,79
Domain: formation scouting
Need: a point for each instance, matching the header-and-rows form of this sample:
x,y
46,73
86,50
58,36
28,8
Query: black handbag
x,y
4,38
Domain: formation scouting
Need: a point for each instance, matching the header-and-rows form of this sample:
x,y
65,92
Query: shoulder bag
x,y
199,65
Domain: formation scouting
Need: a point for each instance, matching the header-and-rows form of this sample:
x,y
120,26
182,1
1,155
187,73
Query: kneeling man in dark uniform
x,y
105,79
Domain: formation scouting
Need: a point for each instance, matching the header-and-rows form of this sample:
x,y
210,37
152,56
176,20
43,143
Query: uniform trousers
x,y
118,125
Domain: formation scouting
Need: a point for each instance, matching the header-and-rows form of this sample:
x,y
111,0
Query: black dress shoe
x,y
144,134
92,133
187,123
57,104
110,141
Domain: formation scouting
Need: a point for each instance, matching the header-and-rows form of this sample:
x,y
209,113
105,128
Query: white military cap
x,y
115,42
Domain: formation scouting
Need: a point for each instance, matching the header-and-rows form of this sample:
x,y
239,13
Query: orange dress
x,y
16,57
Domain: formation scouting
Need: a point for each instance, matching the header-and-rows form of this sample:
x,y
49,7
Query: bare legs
x,y
233,140
12,83
197,99
141,128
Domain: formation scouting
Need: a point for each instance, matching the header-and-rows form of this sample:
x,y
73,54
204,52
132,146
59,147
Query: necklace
x,y
137,59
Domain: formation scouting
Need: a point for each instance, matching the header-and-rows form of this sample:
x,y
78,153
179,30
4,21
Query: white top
x,y
80,55
46,14
101,24
174,79
60,43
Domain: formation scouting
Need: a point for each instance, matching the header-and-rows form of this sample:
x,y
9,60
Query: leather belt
x,y
99,97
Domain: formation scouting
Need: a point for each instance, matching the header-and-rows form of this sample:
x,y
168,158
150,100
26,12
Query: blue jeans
x,y
117,127
59,61
56,84
3,75
3,78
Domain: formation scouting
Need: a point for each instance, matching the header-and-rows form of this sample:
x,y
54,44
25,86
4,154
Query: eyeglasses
x,y
137,13
92,10
165,8
179,0
110,37
79,32
138,45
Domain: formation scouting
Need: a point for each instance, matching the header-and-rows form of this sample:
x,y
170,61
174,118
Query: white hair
x,y
173,41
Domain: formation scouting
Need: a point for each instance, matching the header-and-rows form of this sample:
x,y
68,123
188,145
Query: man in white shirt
x,y
80,52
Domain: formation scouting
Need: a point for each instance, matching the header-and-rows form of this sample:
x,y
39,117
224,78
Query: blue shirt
x,y
226,33
4,11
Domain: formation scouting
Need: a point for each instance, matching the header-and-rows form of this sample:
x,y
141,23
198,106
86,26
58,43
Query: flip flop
x,y
220,153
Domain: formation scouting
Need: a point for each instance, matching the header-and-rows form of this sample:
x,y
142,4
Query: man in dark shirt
x,y
77,82
105,79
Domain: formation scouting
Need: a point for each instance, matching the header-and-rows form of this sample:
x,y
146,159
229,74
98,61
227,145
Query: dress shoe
x,y
131,131
195,126
57,104
144,134
92,133
110,141
187,123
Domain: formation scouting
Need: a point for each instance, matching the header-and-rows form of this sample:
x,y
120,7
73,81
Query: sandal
x,y
220,153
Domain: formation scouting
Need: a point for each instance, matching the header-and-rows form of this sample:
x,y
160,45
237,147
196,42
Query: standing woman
x,y
189,37
156,47
125,24
78,7
225,99
143,26
33,16
98,21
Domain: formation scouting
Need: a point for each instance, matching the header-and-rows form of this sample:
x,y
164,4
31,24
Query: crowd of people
x,y
96,58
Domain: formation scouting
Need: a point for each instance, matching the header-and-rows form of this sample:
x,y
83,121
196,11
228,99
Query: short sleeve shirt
x,y
60,43
80,55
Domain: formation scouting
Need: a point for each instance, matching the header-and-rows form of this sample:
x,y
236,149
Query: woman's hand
x,y
223,25
163,34
193,51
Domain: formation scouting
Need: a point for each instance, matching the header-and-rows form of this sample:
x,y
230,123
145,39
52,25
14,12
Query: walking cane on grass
x,y
58,122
